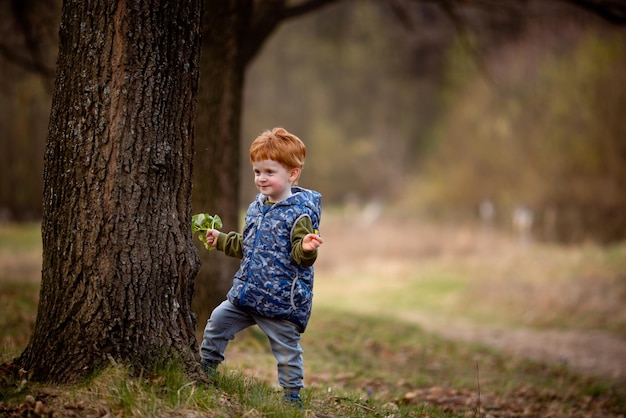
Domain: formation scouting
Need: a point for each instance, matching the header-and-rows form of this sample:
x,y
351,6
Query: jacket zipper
x,y
242,294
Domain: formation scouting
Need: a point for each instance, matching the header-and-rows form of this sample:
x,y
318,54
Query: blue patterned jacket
x,y
269,282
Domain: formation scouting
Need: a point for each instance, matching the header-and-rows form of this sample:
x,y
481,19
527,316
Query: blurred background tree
x,y
553,140
28,49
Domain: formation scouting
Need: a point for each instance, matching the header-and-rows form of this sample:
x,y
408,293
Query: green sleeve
x,y
231,243
302,228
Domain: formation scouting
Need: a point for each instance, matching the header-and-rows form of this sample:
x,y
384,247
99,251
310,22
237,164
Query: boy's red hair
x,y
280,146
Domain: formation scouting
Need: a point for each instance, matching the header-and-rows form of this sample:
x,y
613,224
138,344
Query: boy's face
x,y
273,180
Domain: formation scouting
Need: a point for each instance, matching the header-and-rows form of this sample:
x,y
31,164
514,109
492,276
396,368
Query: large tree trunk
x,y
118,261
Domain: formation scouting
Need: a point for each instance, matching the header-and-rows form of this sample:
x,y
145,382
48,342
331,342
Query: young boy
x,y
273,287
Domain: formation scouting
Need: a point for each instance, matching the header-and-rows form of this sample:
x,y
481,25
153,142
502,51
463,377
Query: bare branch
x,y
28,64
613,11
306,7
268,15
465,37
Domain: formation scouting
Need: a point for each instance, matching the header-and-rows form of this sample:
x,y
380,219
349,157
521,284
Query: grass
x,y
18,310
386,351
19,238
481,276
361,359
355,366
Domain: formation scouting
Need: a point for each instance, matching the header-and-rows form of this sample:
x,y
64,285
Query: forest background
x,y
493,114
515,112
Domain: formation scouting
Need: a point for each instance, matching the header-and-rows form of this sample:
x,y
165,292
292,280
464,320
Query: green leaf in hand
x,y
202,222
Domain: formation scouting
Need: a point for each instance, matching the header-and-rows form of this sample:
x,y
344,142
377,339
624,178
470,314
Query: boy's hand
x,y
211,237
311,241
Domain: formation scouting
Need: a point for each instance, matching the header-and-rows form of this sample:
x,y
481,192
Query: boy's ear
x,y
294,174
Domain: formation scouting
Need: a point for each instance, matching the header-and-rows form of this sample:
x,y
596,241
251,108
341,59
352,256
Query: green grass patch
x,y
18,311
431,288
435,291
20,237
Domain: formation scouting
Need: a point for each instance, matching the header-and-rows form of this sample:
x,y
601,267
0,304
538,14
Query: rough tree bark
x,y
118,261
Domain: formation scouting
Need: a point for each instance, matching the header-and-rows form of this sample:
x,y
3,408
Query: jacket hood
x,y
299,196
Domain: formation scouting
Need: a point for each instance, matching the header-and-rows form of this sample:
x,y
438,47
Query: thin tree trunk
x,y
118,261
218,125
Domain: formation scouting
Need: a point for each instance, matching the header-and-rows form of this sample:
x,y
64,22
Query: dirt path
x,y
590,353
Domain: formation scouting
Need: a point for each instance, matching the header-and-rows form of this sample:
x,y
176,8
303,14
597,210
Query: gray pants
x,y
228,319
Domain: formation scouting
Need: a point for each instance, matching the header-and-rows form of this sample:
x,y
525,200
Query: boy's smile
x,y
273,179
